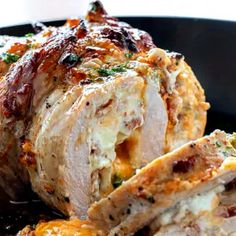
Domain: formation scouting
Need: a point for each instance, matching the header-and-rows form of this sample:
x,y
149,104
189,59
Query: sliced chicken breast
x,y
180,185
208,213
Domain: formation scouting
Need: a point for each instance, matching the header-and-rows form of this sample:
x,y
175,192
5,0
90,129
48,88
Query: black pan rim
x,y
151,17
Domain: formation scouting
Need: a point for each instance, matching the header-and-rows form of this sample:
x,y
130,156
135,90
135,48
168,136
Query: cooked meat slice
x,y
94,120
191,176
205,214
134,93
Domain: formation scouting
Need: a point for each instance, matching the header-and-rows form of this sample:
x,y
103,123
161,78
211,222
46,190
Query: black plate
x,y
209,47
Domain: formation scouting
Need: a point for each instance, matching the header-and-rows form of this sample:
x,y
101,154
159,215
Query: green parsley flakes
x,y
105,72
118,69
29,35
129,55
9,57
112,71
218,144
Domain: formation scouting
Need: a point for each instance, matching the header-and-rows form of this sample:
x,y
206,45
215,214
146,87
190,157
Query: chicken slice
x,y
208,213
187,180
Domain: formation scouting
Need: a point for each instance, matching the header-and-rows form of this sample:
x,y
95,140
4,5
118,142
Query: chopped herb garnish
x,y
118,69
94,8
30,46
105,72
9,57
129,55
112,71
29,35
116,181
218,144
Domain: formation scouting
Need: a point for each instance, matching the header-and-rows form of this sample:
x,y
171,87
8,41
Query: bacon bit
x,y
231,185
183,166
77,76
231,211
133,124
49,188
28,160
82,30
104,106
18,48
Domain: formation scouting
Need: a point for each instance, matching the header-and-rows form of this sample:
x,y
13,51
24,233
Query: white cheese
x,y
108,129
204,202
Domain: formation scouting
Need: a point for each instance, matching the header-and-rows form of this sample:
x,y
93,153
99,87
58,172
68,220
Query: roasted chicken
x,y
88,105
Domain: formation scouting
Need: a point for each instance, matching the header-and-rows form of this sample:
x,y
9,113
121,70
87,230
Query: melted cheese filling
x,y
109,139
210,213
196,206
